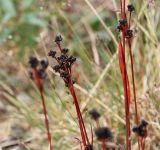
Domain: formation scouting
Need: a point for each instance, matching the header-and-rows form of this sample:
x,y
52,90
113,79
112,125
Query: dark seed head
x,y
63,58
94,114
64,75
130,8
129,33
103,133
52,53
44,63
89,147
119,27
58,38
56,68
65,50
71,59
135,129
122,22
141,129
42,74
144,123
33,61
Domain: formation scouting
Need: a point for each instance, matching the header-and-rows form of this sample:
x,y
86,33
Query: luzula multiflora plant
x,y
38,74
64,68
126,36
104,133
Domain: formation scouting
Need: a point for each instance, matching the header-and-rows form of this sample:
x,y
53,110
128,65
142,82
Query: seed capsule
x,y
103,133
52,53
130,8
94,114
58,38
44,63
33,61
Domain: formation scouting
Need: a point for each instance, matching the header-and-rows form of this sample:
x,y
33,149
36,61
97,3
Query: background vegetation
x,y
28,27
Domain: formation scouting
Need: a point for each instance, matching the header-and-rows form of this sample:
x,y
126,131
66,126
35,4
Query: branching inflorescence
x,y
64,68
38,74
126,35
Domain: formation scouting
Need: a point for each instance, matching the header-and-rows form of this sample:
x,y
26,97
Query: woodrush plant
x,y
126,35
64,68
37,73
103,134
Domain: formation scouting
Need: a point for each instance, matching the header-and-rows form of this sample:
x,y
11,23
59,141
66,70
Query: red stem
x,y
133,82
127,95
39,84
91,135
125,79
78,116
124,8
121,9
81,122
134,89
74,94
103,145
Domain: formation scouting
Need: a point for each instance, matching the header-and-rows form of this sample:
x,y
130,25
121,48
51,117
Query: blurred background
x,y
88,27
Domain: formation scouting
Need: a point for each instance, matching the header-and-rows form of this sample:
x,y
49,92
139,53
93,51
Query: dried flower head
x,y
141,129
39,66
65,50
52,53
103,133
58,38
130,8
33,61
94,114
129,33
121,24
64,62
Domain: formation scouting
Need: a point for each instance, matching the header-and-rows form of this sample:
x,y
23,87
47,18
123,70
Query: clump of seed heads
x,y
64,62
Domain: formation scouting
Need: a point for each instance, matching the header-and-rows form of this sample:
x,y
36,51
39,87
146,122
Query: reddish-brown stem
x,y
134,89
79,113
59,46
129,22
103,144
124,8
125,79
71,83
91,135
133,82
127,96
97,122
121,7
143,143
39,85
